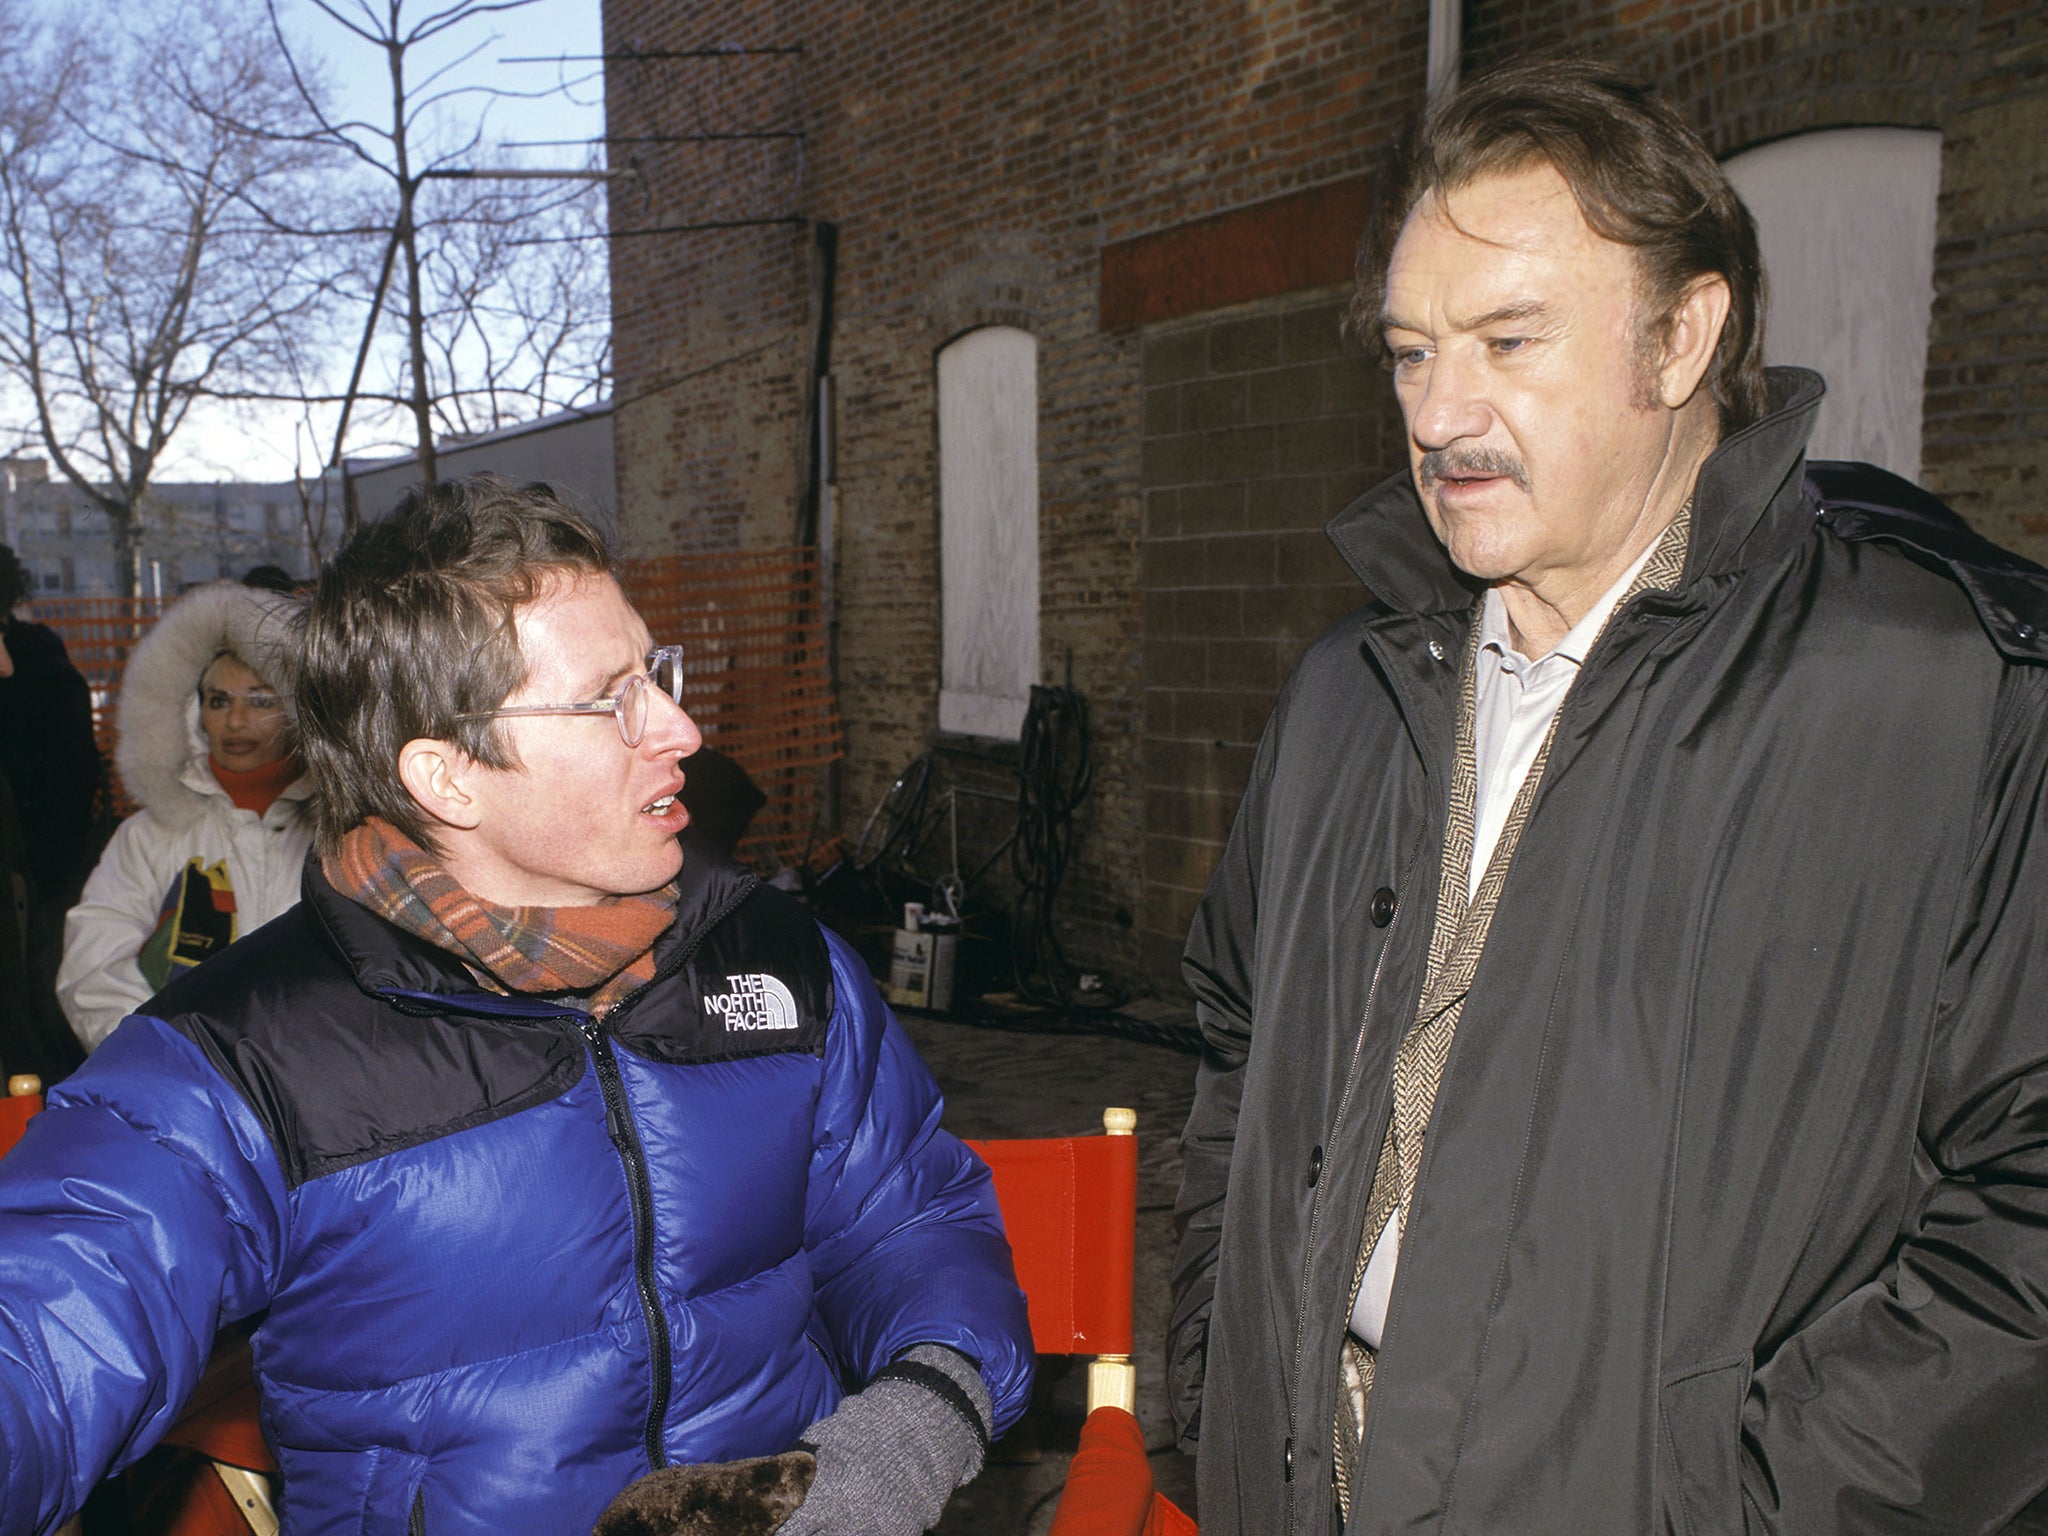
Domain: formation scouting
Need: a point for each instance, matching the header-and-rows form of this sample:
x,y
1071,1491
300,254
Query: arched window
x,y
1845,217
988,530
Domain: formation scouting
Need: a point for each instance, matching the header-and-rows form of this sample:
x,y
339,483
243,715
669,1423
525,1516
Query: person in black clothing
x,y
52,767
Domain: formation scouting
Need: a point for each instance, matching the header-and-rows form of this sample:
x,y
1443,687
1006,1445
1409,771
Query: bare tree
x,y
137,276
519,319
500,308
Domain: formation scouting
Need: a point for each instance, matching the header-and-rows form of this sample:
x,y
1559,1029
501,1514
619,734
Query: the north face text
x,y
756,1001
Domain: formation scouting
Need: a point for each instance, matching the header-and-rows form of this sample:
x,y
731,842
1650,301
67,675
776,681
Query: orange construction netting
x,y
756,676
98,633
756,679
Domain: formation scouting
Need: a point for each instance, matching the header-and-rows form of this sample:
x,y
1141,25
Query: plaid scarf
x,y
605,950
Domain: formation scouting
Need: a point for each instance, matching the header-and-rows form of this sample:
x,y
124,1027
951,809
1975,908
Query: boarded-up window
x,y
988,530
1846,221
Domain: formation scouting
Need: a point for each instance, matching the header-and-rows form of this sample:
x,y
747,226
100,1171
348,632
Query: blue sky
x,y
566,101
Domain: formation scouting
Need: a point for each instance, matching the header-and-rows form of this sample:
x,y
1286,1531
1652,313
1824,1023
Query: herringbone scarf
x,y
605,950
1455,945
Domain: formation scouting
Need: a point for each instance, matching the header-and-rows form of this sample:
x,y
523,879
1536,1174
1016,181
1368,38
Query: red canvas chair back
x,y
1070,1205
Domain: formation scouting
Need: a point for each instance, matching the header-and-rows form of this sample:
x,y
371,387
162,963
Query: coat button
x,y
2024,631
1287,1461
1436,649
1315,1167
1382,907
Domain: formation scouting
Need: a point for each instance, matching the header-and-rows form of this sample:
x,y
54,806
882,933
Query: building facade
x,y
571,449
881,257
192,532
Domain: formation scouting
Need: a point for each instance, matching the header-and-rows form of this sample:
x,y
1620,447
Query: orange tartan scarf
x,y
605,950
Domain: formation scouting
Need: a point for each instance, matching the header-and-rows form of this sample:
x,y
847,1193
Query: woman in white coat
x,y
217,848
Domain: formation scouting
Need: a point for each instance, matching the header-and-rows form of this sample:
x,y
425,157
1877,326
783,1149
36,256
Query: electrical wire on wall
x,y
1053,776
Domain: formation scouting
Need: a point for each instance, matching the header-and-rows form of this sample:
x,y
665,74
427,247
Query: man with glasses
x,y
543,1156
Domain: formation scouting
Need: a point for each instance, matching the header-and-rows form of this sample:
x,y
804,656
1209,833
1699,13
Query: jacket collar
x,y
388,962
1748,504
198,778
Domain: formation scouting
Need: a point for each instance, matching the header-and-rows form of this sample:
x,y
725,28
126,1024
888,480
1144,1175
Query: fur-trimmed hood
x,y
160,749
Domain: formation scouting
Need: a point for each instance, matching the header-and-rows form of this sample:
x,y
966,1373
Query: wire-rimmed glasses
x,y
628,707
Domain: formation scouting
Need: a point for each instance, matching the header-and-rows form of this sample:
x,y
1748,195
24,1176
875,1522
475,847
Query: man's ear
x,y
1690,338
436,775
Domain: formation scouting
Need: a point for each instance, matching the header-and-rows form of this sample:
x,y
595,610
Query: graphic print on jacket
x,y
195,922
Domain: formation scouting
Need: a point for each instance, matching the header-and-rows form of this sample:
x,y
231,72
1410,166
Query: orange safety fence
x,y
756,679
756,676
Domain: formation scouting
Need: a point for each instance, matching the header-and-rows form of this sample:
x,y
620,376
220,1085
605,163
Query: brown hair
x,y
411,624
1640,175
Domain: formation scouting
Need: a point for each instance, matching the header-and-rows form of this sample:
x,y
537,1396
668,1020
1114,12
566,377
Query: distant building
x,y
571,449
191,532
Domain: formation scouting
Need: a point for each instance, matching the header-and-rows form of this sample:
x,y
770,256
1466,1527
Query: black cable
x,y
1053,777
899,814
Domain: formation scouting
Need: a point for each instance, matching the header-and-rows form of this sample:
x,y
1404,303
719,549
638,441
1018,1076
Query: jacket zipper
x,y
416,1522
618,1123
625,1138
1315,1214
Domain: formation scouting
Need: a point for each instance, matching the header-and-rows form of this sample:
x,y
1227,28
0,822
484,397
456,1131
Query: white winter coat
x,y
186,819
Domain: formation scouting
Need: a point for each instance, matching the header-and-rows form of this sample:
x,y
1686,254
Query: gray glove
x,y
891,1455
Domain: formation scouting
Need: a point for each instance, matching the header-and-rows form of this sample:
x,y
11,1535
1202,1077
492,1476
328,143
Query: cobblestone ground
x,y
1014,1083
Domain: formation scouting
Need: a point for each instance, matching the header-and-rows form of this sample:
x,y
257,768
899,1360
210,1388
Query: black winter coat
x,y
1733,1212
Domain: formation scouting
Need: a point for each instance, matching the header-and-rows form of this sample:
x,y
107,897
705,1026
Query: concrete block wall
x,y
1261,422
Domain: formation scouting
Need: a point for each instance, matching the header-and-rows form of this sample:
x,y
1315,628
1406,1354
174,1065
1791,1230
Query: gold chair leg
x,y
1112,1383
251,1493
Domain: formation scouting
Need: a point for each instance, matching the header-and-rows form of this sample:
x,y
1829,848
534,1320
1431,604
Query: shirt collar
x,y
1493,618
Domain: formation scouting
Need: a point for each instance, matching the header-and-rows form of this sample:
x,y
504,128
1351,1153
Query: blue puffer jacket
x,y
504,1258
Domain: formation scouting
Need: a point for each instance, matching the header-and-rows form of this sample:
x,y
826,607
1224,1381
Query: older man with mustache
x,y
1625,1107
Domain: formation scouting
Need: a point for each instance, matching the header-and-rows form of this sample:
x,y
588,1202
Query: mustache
x,y
1442,463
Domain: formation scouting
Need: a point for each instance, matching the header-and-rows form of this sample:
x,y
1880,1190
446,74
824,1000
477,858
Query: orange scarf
x,y
605,950
256,789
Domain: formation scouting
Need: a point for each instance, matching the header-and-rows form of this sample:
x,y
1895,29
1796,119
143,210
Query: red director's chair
x,y
219,1420
1070,1204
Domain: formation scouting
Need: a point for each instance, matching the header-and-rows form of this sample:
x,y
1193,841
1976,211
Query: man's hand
x,y
892,1454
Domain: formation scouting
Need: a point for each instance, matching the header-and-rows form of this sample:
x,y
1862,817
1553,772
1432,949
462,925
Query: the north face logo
x,y
756,1001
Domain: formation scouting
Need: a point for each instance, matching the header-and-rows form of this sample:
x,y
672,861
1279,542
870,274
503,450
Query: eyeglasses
x,y
628,706
261,700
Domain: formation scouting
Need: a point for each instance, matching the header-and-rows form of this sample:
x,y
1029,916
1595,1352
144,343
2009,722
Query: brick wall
x,y
976,160
1987,358
1260,423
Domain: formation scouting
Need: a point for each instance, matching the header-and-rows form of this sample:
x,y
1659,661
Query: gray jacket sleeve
x,y
1923,1392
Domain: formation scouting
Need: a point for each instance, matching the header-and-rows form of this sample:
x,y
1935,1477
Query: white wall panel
x,y
1845,217
988,530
